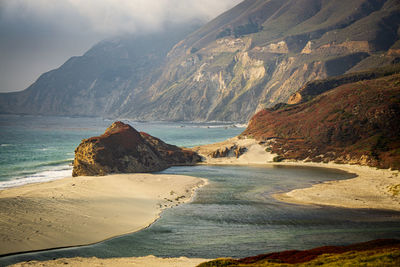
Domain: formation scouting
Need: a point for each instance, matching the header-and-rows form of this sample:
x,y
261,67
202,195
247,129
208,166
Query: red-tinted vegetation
x,y
353,123
299,256
305,256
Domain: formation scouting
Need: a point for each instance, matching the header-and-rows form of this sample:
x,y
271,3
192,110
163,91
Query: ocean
x,y
39,148
235,215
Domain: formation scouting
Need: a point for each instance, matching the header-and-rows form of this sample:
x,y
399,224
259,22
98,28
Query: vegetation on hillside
x,y
373,253
317,87
353,123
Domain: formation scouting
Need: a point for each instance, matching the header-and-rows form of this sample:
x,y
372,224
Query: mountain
x,y
100,81
251,57
354,122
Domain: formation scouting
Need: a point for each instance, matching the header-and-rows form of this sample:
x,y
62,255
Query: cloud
x,y
38,35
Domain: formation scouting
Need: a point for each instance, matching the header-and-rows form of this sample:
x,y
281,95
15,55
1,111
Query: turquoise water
x,y
235,215
35,148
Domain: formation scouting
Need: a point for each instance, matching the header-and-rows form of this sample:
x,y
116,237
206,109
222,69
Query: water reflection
x,y
236,216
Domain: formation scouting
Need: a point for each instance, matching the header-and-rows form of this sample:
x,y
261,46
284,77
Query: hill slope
x,y
260,52
100,81
356,122
253,56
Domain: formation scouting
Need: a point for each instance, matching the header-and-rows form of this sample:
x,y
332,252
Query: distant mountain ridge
x,y
100,81
253,56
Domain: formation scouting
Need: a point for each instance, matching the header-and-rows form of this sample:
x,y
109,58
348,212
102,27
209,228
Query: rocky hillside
x,y
121,149
356,122
99,82
261,52
317,87
251,57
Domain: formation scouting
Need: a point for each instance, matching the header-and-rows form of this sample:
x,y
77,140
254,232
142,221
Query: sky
x,y
39,35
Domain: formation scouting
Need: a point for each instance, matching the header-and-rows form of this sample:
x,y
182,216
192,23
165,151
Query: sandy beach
x,y
255,153
85,210
372,188
148,261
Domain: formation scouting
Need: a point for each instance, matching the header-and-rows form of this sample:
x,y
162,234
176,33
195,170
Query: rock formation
x,y
228,151
122,149
356,123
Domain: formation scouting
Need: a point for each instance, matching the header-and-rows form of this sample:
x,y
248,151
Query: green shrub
x,y
278,158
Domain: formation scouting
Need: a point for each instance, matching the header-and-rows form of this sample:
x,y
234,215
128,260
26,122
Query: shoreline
x,y
86,210
148,261
372,188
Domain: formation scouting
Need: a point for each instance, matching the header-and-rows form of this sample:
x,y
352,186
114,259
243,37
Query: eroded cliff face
x,y
218,74
251,57
356,122
122,149
231,80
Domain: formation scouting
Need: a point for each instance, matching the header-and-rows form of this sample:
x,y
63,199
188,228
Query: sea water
x,y
36,148
235,215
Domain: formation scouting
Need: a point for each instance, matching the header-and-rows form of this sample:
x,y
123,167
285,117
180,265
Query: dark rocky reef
x,y
122,149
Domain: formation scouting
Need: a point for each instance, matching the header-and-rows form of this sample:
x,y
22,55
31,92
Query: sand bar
x,y
85,210
372,188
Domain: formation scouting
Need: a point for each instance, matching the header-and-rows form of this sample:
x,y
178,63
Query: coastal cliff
x,y
355,122
122,149
251,57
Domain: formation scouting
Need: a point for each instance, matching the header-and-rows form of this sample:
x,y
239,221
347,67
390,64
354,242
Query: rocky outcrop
x,y
228,151
355,123
122,149
173,155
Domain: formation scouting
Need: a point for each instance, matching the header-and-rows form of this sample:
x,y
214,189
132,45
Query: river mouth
x,y
235,215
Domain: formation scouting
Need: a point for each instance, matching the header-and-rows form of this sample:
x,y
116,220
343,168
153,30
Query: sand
x,y
82,210
148,261
255,153
372,188
85,210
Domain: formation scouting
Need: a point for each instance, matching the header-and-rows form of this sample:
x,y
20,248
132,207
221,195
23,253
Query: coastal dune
x,y
85,210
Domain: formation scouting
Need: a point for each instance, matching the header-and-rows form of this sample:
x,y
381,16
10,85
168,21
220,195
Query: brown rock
x,y
228,151
173,155
122,149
